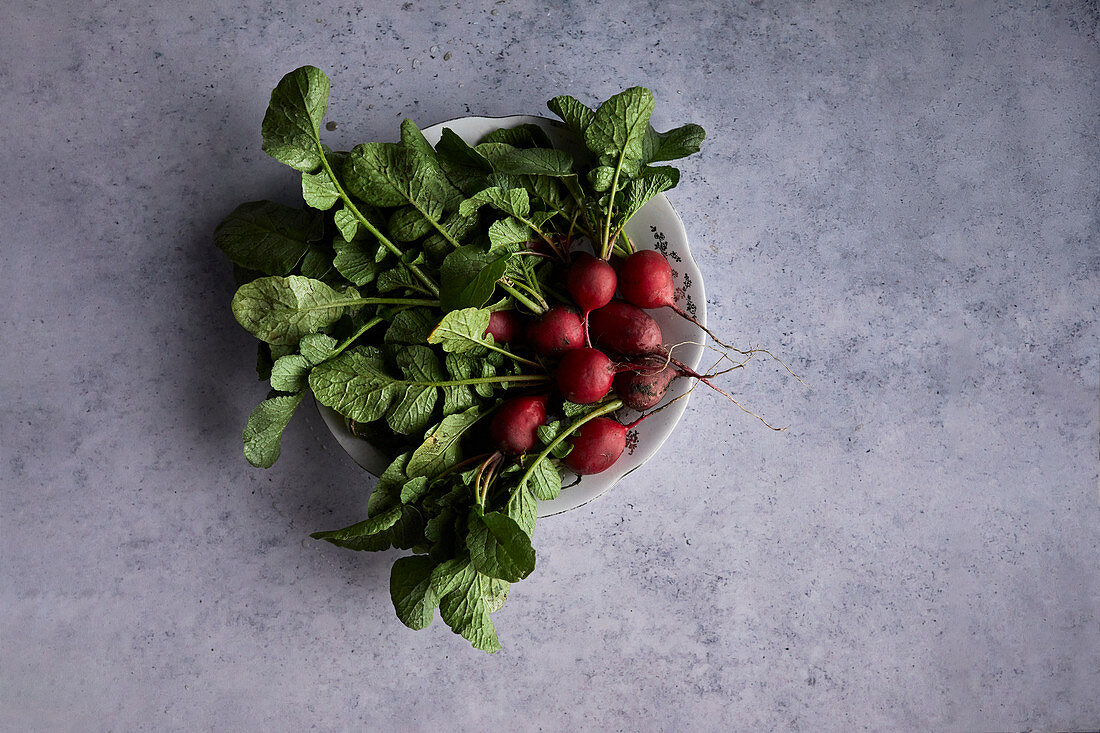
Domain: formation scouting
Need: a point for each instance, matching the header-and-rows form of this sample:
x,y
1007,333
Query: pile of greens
x,y
376,297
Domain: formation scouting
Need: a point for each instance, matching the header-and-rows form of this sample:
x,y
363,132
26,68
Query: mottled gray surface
x,y
902,199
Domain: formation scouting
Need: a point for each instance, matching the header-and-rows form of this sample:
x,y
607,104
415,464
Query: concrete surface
x,y
899,198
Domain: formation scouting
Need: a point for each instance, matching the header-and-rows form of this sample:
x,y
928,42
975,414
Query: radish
x,y
558,329
643,388
585,375
513,427
645,280
596,445
591,282
504,326
625,328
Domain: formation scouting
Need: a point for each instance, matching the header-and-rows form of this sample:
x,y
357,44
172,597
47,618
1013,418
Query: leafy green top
x,y
426,242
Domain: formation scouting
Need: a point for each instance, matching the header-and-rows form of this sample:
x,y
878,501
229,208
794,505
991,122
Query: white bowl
x,y
655,226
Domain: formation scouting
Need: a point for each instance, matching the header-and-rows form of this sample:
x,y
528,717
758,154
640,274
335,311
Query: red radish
x,y
643,388
626,329
513,426
591,282
558,329
596,445
645,280
504,326
585,375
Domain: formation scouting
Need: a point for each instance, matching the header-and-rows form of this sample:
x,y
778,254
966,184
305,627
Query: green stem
x,y
362,330
538,231
578,196
506,379
535,308
529,272
510,355
531,291
609,407
351,302
621,249
416,271
631,249
605,245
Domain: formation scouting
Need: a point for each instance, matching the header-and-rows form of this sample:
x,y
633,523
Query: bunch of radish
x,y
597,346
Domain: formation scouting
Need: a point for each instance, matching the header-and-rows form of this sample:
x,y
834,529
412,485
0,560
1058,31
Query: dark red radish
x,y
645,280
557,330
591,282
596,446
514,425
643,388
505,326
585,375
625,328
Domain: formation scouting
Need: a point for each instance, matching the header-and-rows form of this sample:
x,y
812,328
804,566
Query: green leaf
x,y
319,190
499,547
346,222
546,434
280,310
459,397
463,165
292,125
411,591
668,171
358,535
316,347
317,264
512,201
356,262
469,275
396,278
520,136
494,594
268,237
509,233
414,490
452,574
572,409
641,191
289,373
264,431
545,481
441,448
357,385
535,162
408,530
618,128
411,326
600,177
462,330
387,492
523,510
383,174
413,408
407,224
577,116
463,606
672,145
549,191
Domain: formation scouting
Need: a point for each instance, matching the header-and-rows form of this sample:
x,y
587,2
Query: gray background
x,y
899,198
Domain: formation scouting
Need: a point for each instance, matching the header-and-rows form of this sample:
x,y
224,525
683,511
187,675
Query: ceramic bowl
x,y
656,226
